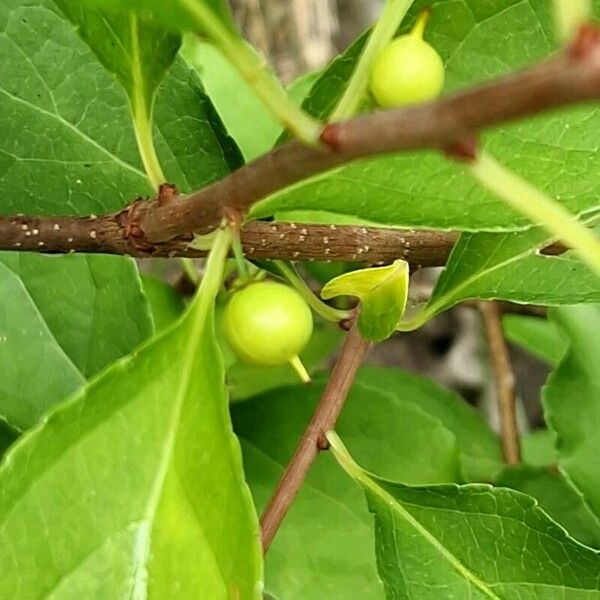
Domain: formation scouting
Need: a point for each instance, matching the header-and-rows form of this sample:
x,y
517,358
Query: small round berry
x,y
407,71
268,323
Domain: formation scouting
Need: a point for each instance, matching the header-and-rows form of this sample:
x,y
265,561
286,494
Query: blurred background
x,y
297,36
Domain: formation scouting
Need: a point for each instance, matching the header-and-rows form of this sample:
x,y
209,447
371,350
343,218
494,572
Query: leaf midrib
x,y
370,486
458,566
199,312
193,339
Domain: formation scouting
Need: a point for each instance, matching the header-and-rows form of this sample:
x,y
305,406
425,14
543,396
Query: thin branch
x,y
313,439
142,228
260,241
504,380
567,78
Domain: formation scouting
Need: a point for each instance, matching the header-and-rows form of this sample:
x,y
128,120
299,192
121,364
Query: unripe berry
x,y
408,70
268,323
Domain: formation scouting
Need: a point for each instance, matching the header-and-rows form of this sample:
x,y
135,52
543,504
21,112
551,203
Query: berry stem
x,y
240,260
321,308
190,270
421,23
234,219
383,32
300,369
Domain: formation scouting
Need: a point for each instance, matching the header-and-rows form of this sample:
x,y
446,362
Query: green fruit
x,y
267,323
408,71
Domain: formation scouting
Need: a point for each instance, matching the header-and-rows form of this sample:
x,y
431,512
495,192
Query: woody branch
x,y
164,226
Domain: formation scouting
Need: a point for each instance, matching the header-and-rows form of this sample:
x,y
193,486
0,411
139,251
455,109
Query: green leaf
x,y
180,15
423,189
63,319
471,541
133,488
138,52
571,401
67,143
383,292
212,19
247,119
329,86
539,336
479,447
557,498
7,437
538,448
389,414
166,304
245,116
193,145
508,267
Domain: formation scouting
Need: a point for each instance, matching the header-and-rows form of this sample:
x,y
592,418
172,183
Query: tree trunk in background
x,y
296,36
355,16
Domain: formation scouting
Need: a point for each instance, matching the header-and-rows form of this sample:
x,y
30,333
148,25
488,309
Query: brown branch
x,y
163,227
504,381
313,440
570,77
260,240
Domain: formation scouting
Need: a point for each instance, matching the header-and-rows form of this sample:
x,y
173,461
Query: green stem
x,y
300,369
343,457
569,16
538,207
189,268
418,30
254,71
321,308
215,264
366,480
142,119
383,32
145,142
240,259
